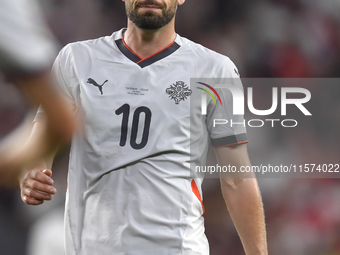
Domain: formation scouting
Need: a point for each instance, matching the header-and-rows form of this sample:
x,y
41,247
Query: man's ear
x,y
180,2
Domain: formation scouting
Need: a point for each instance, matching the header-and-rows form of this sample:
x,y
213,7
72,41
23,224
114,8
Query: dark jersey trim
x,y
149,60
126,51
230,140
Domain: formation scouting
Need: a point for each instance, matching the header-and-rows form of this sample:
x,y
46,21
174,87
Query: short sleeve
x,y
226,128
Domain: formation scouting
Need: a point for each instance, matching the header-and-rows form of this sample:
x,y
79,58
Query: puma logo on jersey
x,y
94,83
178,91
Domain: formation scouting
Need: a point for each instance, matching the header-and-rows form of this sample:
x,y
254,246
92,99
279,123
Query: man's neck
x,y
148,42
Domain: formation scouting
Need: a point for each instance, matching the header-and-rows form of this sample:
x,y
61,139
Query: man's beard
x,y
149,20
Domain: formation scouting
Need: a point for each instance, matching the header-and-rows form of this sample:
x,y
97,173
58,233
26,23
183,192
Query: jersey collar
x,y
143,62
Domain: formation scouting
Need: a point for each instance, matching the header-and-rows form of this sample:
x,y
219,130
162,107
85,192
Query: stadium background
x,y
265,38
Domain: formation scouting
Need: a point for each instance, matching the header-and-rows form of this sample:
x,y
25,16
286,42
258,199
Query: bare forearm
x,y
243,200
25,149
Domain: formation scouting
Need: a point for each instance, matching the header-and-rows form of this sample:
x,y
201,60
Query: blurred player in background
x,y
130,185
27,50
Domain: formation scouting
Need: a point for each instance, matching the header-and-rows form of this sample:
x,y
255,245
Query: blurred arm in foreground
x,y
21,150
27,50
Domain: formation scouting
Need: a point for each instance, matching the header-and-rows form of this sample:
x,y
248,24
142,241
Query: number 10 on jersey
x,y
125,110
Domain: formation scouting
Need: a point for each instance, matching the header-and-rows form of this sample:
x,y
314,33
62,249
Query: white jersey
x,y
26,45
131,190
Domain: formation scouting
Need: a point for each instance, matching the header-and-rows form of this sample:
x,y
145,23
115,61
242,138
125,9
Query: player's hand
x,y
37,187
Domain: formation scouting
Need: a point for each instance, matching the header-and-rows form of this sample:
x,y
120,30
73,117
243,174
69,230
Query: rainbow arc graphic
x,y
209,93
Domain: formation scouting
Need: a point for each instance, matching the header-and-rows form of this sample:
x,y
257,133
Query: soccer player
x,y
27,50
131,189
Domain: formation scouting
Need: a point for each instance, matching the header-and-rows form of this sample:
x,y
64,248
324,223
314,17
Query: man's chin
x,y
149,26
